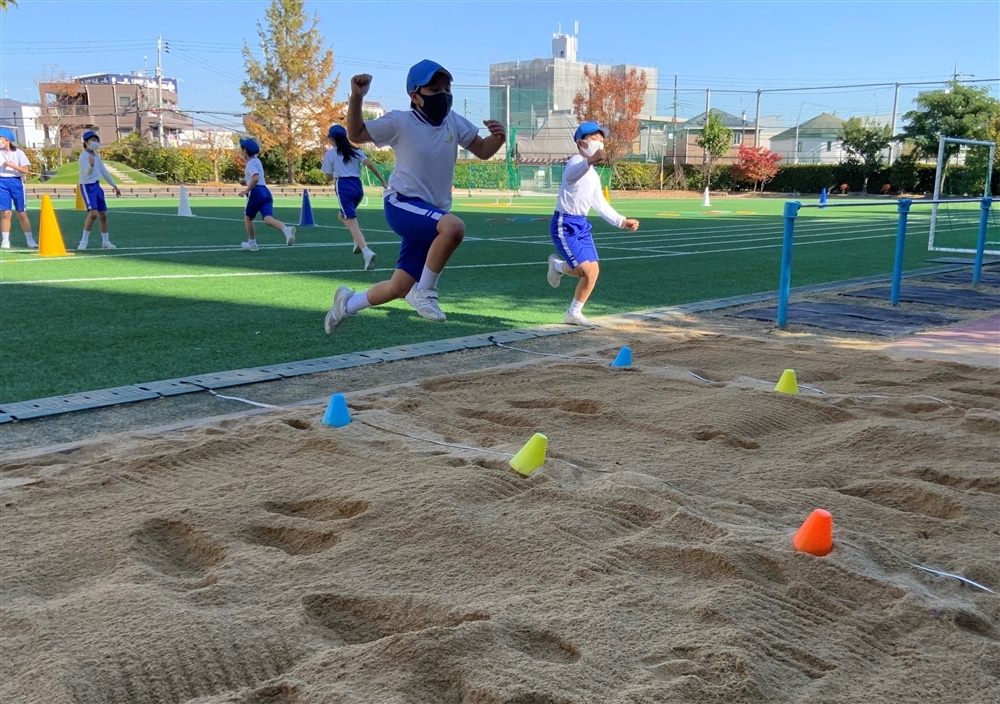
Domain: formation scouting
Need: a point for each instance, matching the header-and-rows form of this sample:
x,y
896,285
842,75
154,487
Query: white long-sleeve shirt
x,y
580,191
15,157
92,174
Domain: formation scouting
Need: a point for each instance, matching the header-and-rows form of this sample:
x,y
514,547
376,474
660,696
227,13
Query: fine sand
x,y
267,558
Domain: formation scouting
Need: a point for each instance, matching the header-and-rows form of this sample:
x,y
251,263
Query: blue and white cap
x,y
422,73
90,134
588,128
250,145
7,134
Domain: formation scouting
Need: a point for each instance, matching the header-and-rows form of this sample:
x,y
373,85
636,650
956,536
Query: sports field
x,y
179,297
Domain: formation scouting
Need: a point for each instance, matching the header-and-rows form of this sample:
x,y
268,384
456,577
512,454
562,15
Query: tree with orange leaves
x,y
613,99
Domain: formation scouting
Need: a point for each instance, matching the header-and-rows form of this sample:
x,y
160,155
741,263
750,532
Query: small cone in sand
x,y
816,534
50,241
787,383
79,199
337,414
531,456
624,358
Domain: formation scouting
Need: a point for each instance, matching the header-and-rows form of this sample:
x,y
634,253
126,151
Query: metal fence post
x,y
897,264
785,280
977,269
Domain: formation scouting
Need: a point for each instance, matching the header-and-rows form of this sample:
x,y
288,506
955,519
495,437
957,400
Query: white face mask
x,y
592,147
94,145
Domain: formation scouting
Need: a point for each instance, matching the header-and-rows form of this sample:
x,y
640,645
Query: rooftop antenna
x,y
576,27
559,28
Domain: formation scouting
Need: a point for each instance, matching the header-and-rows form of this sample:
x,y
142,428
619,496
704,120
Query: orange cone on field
x,y
816,534
79,199
50,241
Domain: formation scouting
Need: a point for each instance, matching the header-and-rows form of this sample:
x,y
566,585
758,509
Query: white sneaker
x,y
576,319
369,260
338,311
107,245
82,246
250,246
554,274
357,249
32,244
289,235
4,245
426,303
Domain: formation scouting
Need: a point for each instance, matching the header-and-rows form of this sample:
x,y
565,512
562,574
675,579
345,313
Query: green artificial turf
x,y
179,297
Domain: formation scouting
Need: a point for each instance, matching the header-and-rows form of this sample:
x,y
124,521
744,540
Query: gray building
x,y
541,86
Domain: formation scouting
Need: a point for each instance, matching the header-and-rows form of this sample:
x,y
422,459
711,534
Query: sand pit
x,y
269,558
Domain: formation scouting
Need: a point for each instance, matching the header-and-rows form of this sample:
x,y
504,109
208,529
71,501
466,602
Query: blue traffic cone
x,y
624,358
306,216
337,414
822,198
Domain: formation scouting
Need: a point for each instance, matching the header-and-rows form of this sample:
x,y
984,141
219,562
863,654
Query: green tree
x,y
614,100
290,94
865,141
957,111
5,4
715,139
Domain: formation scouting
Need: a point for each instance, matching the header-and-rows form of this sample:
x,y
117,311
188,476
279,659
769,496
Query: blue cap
x,y
7,134
589,128
250,145
336,131
422,73
90,133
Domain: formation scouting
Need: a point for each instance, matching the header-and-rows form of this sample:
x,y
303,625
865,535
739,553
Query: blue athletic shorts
x,y
260,201
11,194
416,222
93,197
573,238
351,193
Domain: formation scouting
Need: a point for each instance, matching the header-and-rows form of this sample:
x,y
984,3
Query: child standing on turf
x,y
426,140
259,199
344,162
14,165
580,191
91,171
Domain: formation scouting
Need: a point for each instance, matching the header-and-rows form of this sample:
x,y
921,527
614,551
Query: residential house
x,y
815,141
116,105
687,150
22,119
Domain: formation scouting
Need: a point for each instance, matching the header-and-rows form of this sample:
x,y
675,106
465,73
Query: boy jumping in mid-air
x,y
259,199
426,140
580,191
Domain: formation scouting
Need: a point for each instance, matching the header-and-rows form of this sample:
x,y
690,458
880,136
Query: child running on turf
x,y
426,140
259,199
344,162
92,168
580,191
14,165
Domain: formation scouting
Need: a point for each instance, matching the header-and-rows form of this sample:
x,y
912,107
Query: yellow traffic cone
x,y
787,383
607,194
79,199
531,456
50,241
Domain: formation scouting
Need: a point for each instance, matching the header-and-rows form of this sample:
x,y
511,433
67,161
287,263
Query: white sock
x,y
104,237
559,266
85,236
428,279
29,237
356,303
576,307
5,237
367,250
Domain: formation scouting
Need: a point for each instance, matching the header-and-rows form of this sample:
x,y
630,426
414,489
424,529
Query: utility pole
x,y
673,129
159,86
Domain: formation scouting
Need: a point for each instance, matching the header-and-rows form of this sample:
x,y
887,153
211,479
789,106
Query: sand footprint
x,y
905,496
329,509
345,620
176,549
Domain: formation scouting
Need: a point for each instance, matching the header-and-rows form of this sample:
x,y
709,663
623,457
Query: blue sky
x,y
733,47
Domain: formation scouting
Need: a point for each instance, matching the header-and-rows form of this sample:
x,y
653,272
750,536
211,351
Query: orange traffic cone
x,y
50,241
79,199
816,534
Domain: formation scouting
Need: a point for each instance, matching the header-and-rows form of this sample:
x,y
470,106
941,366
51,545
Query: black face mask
x,y
436,107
